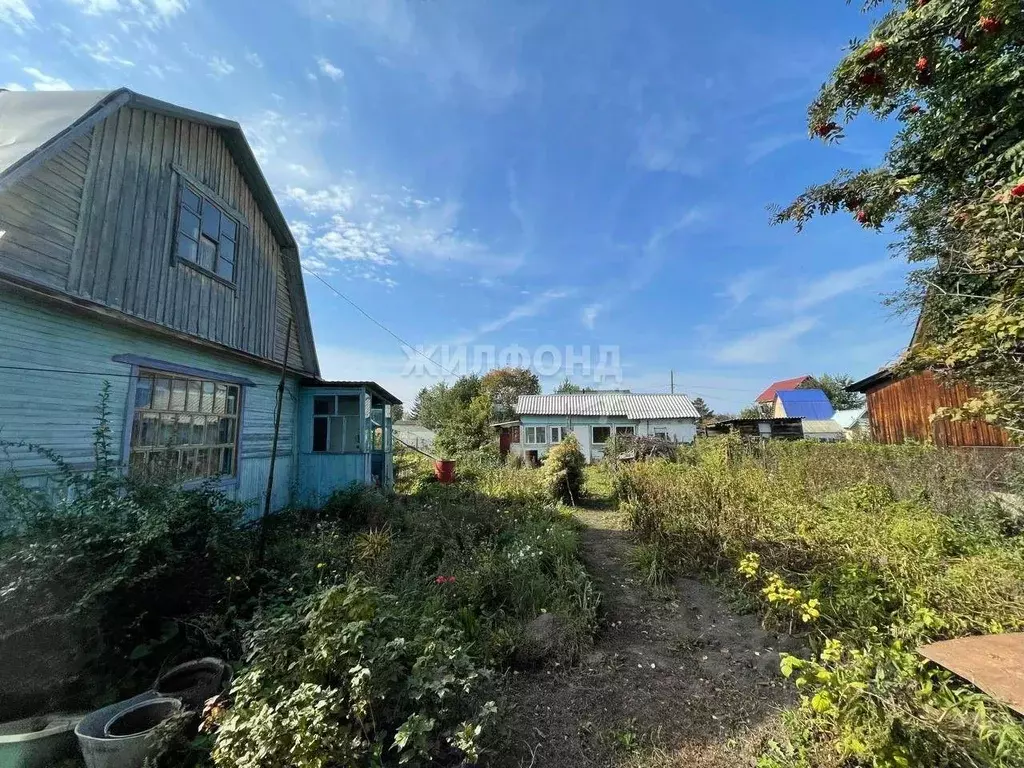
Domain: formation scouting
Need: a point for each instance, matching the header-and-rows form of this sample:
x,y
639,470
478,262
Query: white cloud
x,y
589,315
16,14
667,145
765,345
744,285
44,82
103,53
14,87
329,70
332,199
347,241
254,59
837,283
152,12
769,145
219,66
531,308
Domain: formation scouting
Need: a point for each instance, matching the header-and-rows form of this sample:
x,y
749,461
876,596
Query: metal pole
x,y
672,382
273,446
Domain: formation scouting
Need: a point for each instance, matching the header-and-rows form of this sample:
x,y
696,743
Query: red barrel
x,y
445,471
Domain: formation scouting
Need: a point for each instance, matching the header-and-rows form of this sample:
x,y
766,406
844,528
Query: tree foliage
x,y
563,471
440,403
703,409
952,183
505,385
568,388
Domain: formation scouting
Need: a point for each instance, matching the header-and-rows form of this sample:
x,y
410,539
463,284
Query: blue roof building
x,y
803,404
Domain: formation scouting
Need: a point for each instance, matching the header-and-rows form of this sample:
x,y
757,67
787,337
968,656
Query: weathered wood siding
x,y
122,256
39,217
57,410
901,409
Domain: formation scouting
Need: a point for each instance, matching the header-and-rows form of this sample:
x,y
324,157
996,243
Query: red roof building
x,y
768,396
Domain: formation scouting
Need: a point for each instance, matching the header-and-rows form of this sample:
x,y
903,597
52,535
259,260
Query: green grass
x,y
867,550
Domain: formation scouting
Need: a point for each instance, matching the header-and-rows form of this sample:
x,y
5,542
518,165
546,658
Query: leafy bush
x,y
563,471
100,587
873,551
352,676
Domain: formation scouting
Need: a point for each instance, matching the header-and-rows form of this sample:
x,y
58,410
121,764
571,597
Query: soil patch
x,y
679,680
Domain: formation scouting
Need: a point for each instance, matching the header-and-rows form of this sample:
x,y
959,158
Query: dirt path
x,y
682,681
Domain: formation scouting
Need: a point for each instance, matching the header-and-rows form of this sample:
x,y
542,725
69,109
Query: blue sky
x,y
526,174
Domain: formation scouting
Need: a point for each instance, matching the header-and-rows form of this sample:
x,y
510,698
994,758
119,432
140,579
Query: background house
x,y
900,409
803,404
595,417
854,422
766,400
763,429
140,245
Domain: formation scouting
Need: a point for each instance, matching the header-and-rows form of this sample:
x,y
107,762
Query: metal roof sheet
x,y
780,386
806,403
846,419
631,406
821,427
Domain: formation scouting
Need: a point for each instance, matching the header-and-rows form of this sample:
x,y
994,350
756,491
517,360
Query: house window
x,y
206,234
536,435
661,433
624,431
336,424
601,435
184,428
557,434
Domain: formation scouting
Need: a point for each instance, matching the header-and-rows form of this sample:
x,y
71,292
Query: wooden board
x,y
993,663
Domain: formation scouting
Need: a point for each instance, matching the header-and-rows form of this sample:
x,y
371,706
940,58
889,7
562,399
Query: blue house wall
x,y
58,410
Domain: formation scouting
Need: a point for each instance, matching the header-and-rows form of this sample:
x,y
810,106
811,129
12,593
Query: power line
x,y
377,322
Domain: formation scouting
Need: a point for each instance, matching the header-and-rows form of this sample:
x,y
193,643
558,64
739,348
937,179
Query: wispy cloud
x,y
103,52
666,144
743,286
253,59
152,13
769,145
589,315
16,14
43,82
219,66
327,69
765,345
837,283
331,199
531,308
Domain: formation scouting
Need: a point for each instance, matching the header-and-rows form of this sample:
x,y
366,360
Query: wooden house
x,y
141,246
900,409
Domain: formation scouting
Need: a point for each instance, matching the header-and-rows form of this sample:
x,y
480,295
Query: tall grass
x,y
869,550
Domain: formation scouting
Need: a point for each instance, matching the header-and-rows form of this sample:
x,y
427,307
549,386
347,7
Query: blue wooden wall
x,y
320,474
58,410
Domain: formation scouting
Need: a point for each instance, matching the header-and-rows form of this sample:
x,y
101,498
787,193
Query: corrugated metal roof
x,y
846,419
806,403
631,406
780,386
822,427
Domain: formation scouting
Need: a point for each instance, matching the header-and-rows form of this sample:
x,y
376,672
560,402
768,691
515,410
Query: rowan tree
x,y
950,72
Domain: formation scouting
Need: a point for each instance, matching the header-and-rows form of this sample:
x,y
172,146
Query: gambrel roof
x,y
35,126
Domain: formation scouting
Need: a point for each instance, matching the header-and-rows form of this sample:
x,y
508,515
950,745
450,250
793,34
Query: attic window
x,y
206,234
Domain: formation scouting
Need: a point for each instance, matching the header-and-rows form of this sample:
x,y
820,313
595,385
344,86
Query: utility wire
x,y
377,322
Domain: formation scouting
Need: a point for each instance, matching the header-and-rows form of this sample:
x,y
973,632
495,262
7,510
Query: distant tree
x,y
438,404
505,385
467,429
750,412
568,388
703,409
397,411
834,388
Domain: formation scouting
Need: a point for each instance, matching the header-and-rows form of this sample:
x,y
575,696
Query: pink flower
x,y
444,580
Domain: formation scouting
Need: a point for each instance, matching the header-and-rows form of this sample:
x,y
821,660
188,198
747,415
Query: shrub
x,y
352,676
872,550
563,471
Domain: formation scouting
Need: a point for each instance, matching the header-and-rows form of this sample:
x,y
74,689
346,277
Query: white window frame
x,y
193,406
560,431
661,432
531,432
349,422
594,440
620,429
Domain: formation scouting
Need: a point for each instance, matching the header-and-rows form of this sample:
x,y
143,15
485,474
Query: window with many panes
x,y
535,435
337,424
206,234
183,427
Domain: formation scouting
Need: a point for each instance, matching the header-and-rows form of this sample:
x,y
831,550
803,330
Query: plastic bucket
x,y
101,751
195,681
444,471
37,742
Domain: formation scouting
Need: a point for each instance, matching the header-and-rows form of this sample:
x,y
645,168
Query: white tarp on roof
x,y
30,119
623,404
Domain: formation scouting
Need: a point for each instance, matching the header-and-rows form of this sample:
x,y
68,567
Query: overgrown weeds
x,y
870,551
